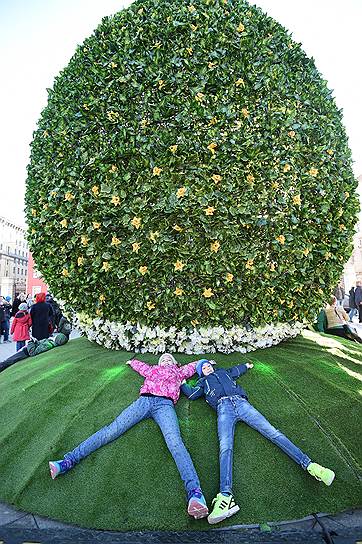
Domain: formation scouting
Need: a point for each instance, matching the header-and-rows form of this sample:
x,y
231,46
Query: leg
x,y
226,420
165,416
133,414
257,421
6,330
18,356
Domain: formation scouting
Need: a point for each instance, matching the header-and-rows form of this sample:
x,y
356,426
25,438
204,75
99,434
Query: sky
x,y
38,37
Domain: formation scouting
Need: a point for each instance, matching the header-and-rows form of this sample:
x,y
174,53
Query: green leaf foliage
x,y
191,167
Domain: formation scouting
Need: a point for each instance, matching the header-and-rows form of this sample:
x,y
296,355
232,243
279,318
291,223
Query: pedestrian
x,y
337,320
29,300
231,403
40,313
358,299
20,326
339,294
158,395
352,304
16,302
5,314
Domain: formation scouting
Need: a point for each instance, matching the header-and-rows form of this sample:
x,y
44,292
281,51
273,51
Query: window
x,y
36,274
36,290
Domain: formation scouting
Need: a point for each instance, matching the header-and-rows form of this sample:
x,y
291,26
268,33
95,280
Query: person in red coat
x,y
21,326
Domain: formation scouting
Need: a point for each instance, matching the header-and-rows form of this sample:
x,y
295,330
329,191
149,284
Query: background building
x,y
34,283
353,268
13,258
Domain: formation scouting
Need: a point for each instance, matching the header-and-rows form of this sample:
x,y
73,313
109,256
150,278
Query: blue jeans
x,y
233,409
5,327
352,313
20,344
162,411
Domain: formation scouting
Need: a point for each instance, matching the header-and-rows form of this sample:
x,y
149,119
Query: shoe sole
x,y
197,510
231,512
53,470
330,480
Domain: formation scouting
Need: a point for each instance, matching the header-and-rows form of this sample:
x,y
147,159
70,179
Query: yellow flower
x,y
214,246
136,247
275,185
291,133
250,264
346,194
297,200
96,225
113,169
229,277
69,197
239,82
306,252
65,272
115,241
156,171
181,192
199,97
177,228
105,266
280,239
33,212
241,28
286,168
161,83
191,9
178,291
136,222
250,179
216,178
46,206
157,45
45,133
86,107
84,240
208,293
112,115
102,298
194,322
212,65
115,200
179,265
189,50
327,255
95,190
53,193
64,223
245,112
173,148
210,210
154,235
211,147
193,28
151,305
342,227
330,151
144,123
272,267
80,261
114,65
98,311
290,304
213,121
33,231
313,172
143,270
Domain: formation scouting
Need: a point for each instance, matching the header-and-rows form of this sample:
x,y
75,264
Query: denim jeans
x,y
20,344
352,313
233,409
162,411
5,327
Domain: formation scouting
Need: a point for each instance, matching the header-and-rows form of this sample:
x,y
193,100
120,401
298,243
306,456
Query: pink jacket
x,y
20,326
163,381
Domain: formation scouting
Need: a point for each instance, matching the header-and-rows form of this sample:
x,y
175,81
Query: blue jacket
x,y
221,383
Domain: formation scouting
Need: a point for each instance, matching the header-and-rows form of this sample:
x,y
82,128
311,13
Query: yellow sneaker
x,y
224,506
320,473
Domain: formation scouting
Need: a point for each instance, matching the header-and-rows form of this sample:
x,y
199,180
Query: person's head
x,y
60,339
40,297
8,298
204,367
332,301
358,283
23,307
167,359
2,299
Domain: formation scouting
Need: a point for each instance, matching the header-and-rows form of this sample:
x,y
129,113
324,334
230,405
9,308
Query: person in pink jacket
x,y
158,395
20,326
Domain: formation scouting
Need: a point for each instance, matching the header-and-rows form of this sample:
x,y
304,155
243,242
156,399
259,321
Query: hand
x,y
183,382
129,362
249,365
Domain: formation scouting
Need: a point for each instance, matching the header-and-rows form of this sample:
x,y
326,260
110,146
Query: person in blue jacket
x,y
231,403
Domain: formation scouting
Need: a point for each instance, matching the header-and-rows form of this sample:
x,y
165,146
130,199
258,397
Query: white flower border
x,y
142,339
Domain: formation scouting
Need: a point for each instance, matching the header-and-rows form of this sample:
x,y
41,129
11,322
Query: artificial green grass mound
x,y
309,387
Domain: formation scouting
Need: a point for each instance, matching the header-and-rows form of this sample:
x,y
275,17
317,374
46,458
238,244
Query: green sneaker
x,y
320,473
223,507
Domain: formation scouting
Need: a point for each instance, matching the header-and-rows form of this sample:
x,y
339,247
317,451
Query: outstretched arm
x,y
239,370
192,393
187,371
142,368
